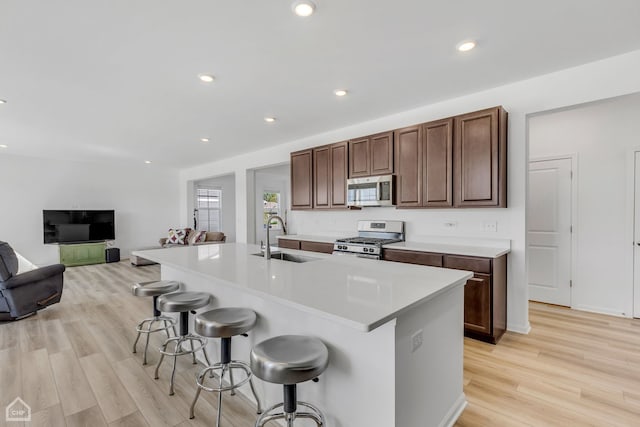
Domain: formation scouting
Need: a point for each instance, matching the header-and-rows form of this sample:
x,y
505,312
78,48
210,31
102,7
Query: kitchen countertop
x,y
486,248
451,249
360,293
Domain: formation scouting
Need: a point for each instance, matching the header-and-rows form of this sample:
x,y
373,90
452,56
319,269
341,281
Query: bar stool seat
x,y
183,303
290,360
154,289
224,323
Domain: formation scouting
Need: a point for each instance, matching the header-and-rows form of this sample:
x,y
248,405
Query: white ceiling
x,y
116,80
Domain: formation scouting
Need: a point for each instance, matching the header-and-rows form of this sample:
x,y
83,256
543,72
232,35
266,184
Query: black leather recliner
x,y
26,293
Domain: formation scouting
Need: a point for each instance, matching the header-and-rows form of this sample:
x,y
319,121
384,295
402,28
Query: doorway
x,y
636,236
271,196
550,210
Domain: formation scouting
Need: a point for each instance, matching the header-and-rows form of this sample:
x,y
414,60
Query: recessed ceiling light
x,y
466,45
207,78
4,146
304,8
204,139
340,92
269,119
3,101
148,162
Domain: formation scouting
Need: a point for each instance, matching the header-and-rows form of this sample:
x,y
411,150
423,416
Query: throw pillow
x,y
197,237
177,236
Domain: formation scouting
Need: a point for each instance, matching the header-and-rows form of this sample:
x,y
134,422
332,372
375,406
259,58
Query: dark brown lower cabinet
x,y
288,244
485,294
306,245
325,248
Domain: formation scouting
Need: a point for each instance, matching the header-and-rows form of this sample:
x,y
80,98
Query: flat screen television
x,y
78,226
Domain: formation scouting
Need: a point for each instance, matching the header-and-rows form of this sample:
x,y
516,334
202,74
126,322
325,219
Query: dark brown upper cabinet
x,y
409,160
330,176
437,163
480,159
339,171
302,180
424,165
371,155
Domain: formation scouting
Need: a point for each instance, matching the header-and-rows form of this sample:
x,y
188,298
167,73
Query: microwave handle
x,y
379,192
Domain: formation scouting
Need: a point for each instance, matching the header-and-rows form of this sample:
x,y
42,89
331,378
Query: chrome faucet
x,y
267,249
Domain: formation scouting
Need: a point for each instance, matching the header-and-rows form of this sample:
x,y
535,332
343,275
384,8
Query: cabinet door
x,y
326,248
359,158
339,170
437,173
480,159
322,177
408,159
477,304
289,244
381,152
301,180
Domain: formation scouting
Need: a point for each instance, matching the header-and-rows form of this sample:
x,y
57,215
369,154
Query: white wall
x,y
598,80
145,200
603,135
228,185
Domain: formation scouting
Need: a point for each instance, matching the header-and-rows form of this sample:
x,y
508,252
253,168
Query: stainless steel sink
x,y
288,257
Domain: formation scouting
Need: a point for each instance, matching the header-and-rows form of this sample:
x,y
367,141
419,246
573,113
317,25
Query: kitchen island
x,y
394,331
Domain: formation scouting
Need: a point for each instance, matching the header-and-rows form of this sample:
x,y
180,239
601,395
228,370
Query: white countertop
x,y
451,249
310,238
486,248
359,293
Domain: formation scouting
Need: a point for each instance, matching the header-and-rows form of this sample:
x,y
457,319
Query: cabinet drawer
x,y
412,257
326,248
289,244
478,265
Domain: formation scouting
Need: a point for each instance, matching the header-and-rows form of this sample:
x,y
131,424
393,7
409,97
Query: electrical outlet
x,y
416,340
450,224
490,226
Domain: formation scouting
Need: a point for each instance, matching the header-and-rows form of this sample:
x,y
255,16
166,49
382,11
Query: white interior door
x,y
549,231
636,240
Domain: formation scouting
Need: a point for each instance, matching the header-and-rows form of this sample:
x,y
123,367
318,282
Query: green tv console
x,y
82,253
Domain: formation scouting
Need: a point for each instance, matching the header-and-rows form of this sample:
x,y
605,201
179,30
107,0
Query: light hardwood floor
x,y
73,364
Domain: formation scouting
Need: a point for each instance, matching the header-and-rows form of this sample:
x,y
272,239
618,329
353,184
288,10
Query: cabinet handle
x,y
475,279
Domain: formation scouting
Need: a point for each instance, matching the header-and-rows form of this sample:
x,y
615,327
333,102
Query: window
x,y
209,208
271,206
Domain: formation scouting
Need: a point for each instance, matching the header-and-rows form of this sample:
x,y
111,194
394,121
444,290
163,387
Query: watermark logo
x,y
18,410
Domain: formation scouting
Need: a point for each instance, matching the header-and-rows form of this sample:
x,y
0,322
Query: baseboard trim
x,y
455,412
600,310
520,329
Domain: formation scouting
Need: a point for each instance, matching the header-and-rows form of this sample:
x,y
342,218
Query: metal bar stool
x,y
224,323
154,289
183,303
289,360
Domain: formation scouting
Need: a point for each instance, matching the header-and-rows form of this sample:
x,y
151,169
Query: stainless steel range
x,y
371,236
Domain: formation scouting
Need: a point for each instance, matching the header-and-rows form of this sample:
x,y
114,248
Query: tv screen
x,y
78,226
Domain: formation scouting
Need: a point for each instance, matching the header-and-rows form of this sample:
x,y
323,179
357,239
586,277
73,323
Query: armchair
x,y
26,293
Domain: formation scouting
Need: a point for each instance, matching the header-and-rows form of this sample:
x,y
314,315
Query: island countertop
x,y
360,293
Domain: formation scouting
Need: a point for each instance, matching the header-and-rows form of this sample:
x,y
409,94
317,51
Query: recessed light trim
x,y
304,8
466,46
206,78
4,146
340,92
3,101
148,162
269,119
204,139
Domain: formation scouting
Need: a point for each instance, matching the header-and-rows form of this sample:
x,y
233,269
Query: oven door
x,y
370,191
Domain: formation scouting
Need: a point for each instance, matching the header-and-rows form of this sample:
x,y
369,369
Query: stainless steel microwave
x,y
370,191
